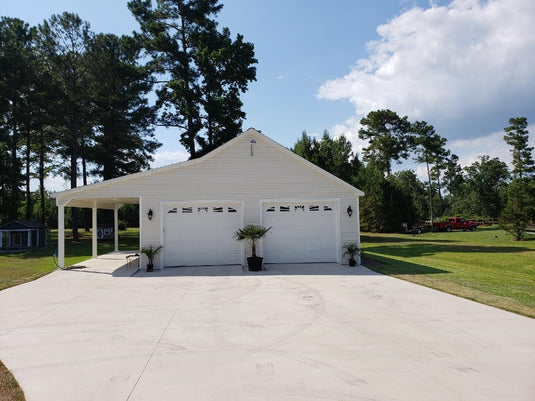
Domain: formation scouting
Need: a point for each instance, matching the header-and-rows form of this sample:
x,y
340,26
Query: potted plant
x,y
151,253
351,250
252,233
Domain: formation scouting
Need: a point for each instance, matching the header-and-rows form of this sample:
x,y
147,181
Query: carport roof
x,y
99,203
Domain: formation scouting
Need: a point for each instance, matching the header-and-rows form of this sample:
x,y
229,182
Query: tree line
x,y
484,189
84,105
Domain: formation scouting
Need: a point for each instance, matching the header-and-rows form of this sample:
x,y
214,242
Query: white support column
x,y
140,223
1,237
116,227
29,238
95,228
61,236
358,228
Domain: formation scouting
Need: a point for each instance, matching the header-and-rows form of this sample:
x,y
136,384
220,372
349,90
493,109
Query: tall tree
x,y
486,179
64,40
122,120
375,205
16,41
194,59
517,136
412,206
453,177
388,136
520,205
429,149
226,68
333,155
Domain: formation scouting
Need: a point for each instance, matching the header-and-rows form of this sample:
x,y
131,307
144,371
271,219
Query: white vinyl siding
x,y
230,172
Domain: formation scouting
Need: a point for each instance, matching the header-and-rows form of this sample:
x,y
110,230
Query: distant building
x,y
22,235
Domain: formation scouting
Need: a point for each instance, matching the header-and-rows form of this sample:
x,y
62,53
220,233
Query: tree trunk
x,y
430,191
28,190
13,213
42,208
74,177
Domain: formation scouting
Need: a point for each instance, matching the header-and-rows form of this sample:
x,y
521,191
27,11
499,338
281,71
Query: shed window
x,y
218,209
313,208
202,209
232,210
187,210
173,210
327,208
270,209
299,207
284,208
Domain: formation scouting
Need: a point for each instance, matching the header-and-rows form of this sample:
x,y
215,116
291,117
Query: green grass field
x,y
487,265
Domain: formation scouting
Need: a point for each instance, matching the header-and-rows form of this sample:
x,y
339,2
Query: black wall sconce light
x,y
349,211
150,213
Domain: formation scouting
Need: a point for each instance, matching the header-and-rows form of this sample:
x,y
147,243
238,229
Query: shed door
x,y
201,234
301,232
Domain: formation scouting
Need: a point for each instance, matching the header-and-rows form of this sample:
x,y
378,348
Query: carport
x,y
76,198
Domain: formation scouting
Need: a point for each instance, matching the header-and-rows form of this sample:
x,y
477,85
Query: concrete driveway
x,y
295,332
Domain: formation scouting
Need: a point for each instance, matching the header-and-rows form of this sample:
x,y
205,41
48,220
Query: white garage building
x,y
196,206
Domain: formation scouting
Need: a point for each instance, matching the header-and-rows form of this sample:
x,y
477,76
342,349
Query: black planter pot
x,y
352,262
150,267
254,263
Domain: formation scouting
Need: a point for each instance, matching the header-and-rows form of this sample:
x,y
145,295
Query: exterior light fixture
x,y
349,211
252,143
150,213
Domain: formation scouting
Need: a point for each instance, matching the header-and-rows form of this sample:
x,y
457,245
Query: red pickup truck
x,y
455,223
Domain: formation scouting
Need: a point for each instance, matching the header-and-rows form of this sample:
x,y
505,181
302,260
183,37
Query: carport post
x,y
94,242
358,228
61,236
116,227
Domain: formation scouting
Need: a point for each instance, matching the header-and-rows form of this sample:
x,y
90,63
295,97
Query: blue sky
x,y
465,66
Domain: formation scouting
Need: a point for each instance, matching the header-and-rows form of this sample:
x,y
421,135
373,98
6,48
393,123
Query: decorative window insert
x,y
284,208
202,209
299,207
218,209
313,208
173,210
187,210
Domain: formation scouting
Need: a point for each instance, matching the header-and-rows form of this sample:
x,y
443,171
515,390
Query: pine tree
x,y
202,70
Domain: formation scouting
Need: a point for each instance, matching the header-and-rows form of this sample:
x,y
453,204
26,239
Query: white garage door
x,y
198,234
301,232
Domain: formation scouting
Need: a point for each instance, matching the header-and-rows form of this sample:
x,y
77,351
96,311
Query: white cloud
x,y
466,68
493,145
167,157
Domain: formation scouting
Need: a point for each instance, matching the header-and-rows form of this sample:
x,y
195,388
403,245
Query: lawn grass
x,y
20,267
9,388
486,265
